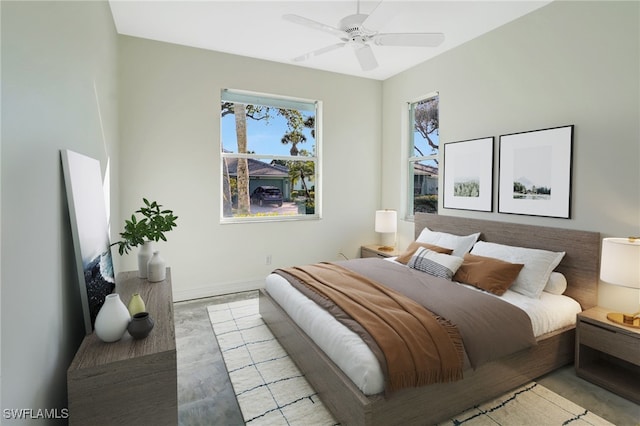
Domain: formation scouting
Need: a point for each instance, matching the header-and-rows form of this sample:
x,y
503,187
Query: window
x,y
269,153
424,143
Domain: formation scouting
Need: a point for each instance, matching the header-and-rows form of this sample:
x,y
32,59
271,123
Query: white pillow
x,y
538,265
434,263
459,244
556,284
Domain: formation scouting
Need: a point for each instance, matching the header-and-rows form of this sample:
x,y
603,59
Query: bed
x,y
435,402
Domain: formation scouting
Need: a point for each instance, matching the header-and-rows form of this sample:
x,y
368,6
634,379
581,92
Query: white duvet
x,y
348,351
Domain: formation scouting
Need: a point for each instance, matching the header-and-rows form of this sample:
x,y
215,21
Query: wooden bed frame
x,y
435,403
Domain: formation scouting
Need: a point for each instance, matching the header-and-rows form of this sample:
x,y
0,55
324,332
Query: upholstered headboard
x,y
580,265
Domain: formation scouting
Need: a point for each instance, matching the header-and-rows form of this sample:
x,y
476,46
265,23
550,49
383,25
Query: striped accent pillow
x,y
434,263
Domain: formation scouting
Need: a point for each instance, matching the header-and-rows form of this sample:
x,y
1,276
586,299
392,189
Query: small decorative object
x,y
156,268
112,319
386,223
150,228
136,304
535,172
141,325
468,175
144,256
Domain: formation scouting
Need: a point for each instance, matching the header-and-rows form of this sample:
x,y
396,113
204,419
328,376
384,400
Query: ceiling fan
x,y
359,30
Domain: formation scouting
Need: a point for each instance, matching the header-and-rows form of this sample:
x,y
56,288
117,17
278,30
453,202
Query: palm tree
x,y
296,125
239,111
293,138
300,170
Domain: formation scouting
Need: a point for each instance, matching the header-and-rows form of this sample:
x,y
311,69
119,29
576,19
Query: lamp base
x,y
385,248
630,320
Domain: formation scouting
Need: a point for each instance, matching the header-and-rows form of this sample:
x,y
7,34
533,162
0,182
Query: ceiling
x,y
257,29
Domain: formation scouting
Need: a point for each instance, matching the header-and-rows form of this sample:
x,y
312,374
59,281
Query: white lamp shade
x,y
620,262
386,221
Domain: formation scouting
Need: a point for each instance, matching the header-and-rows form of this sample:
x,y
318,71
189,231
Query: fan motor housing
x,y
352,25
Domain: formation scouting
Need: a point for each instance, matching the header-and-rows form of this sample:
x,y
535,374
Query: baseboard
x,y
218,289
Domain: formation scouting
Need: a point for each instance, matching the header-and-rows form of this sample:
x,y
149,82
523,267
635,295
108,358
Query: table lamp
x,y
620,265
386,222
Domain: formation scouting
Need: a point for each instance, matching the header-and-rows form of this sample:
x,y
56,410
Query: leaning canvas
x,y
89,227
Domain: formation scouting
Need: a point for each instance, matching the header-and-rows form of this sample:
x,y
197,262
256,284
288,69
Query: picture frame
x,y
535,172
90,232
468,174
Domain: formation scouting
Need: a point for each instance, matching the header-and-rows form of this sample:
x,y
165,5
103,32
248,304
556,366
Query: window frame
x,y
413,159
274,101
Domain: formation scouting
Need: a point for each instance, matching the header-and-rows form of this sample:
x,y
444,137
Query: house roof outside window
x,y
258,168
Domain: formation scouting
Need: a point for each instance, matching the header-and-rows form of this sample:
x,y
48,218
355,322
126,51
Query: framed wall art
x,y
535,172
89,228
468,175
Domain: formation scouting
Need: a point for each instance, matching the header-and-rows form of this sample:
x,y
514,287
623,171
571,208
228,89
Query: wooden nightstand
x,y
608,354
373,251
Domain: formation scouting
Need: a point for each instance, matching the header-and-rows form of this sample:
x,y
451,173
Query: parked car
x,y
267,194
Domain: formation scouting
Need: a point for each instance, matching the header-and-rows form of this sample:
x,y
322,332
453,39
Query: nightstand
x,y
608,354
373,251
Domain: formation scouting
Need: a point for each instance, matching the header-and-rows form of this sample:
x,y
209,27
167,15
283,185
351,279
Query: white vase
x,y
144,255
156,268
112,319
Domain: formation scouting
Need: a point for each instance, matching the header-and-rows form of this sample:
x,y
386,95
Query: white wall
x,y
566,63
58,79
169,116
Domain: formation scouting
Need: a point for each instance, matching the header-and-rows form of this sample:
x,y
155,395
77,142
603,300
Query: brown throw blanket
x,y
420,348
490,327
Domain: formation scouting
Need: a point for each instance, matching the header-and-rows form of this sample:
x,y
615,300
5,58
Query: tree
x,y
242,172
296,125
241,112
300,170
293,138
227,201
427,121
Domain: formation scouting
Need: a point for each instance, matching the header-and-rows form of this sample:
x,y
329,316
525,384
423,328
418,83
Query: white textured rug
x,y
272,391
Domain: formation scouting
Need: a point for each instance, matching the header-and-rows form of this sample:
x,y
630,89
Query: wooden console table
x,y
128,381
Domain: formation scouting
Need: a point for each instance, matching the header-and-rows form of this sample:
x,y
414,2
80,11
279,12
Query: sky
x,y
262,137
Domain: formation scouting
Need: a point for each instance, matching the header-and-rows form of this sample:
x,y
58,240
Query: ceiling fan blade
x,y
310,23
365,56
409,39
382,13
318,52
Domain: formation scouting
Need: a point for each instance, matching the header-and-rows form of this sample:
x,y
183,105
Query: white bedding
x,y
353,356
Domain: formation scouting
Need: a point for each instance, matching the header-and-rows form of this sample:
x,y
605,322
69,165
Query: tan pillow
x,y
414,246
488,273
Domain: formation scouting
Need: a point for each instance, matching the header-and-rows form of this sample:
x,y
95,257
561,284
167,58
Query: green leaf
x,y
151,227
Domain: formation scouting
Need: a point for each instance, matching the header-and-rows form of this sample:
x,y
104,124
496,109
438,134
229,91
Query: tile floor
x,y
205,395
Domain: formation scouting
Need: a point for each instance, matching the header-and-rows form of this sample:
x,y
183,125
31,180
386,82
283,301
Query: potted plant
x,y
140,232
310,206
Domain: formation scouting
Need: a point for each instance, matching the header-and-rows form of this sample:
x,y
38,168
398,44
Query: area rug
x,y
272,391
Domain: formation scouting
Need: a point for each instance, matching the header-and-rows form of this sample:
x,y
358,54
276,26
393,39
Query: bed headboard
x,y
580,265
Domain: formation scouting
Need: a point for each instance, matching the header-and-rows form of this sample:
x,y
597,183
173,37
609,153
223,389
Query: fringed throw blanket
x,y
419,347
